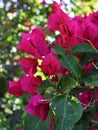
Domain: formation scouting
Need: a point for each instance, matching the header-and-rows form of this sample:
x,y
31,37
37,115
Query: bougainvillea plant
x,y
61,76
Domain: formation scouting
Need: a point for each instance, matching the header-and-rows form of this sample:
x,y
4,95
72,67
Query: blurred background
x,y
16,17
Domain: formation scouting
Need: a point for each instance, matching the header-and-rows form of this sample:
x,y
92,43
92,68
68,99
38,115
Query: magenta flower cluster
x,y
72,31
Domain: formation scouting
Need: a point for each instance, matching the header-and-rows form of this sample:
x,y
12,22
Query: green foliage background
x,y
16,17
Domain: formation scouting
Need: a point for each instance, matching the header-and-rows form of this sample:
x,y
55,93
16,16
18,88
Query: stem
x,y
45,100
67,91
88,42
93,121
95,65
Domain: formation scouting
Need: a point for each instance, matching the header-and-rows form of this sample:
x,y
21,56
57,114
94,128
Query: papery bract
x,y
30,84
50,65
55,19
96,116
64,71
85,98
38,106
93,128
54,78
88,67
25,44
15,88
52,121
59,41
29,63
90,25
55,6
70,32
94,18
79,19
34,43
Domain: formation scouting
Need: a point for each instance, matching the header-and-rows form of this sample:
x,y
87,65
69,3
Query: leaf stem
x,y
88,42
67,91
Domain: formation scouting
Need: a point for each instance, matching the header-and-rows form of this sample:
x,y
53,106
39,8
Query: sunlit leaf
x,y
67,111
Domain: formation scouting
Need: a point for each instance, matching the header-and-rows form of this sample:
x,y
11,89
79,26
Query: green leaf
x,y
35,123
60,50
71,63
91,80
83,48
85,58
67,111
45,84
67,82
95,68
50,91
82,126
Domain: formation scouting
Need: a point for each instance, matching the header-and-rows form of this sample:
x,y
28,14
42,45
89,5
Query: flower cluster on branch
x,y
69,66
